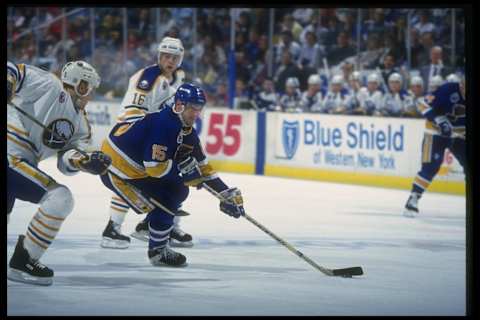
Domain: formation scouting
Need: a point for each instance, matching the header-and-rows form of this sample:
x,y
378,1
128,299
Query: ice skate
x,y
411,207
113,238
25,269
141,231
166,257
178,238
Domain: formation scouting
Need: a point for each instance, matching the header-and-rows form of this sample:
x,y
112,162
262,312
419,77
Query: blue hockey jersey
x,y
446,101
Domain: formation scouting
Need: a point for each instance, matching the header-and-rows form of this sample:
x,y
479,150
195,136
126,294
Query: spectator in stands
x,y
293,26
287,43
252,49
426,44
329,34
336,99
312,53
303,15
341,50
220,98
290,100
287,69
435,67
267,99
388,68
312,98
242,96
424,25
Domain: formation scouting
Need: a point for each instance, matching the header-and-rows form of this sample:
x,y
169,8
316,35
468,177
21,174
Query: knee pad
x,y
58,201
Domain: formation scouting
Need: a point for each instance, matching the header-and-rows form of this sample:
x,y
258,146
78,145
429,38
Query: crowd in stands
x,y
320,63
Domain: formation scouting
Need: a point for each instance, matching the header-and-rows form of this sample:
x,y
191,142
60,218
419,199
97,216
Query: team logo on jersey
x,y
455,97
290,137
58,134
143,84
164,85
62,97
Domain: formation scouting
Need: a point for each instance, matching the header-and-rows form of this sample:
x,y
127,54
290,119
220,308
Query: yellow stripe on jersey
x,y
121,164
421,182
31,172
131,112
23,145
159,170
427,148
17,130
134,197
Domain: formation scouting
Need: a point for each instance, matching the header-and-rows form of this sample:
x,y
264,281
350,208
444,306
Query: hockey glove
x,y
232,203
444,125
191,173
96,162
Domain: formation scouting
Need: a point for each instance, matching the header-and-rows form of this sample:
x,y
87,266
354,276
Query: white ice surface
x,y
412,266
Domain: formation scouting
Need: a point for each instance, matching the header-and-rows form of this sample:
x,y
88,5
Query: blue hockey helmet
x,y
191,95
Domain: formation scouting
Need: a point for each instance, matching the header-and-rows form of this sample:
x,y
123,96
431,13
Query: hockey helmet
x,y
453,78
373,77
74,72
436,81
337,79
191,95
416,81
292,82
355,76
173,46
314,79
395,77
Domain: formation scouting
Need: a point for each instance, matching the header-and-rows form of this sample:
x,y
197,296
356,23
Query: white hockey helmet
x,y
416,80
395,77
75,71
173,46
337,79
355,76
453,78
373,77
292,82
436,81
314,79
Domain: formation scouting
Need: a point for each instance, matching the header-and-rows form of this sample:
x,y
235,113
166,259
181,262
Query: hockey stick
x,y
84,153
345,272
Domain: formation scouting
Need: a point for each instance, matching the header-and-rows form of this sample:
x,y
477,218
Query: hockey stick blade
x,y
348,272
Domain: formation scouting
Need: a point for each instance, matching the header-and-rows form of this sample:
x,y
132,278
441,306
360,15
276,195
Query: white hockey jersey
x,y
370,101
311,103
335,102
148,91
41,95
394,104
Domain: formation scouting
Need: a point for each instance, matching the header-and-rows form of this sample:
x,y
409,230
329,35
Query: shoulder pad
x,y
148,77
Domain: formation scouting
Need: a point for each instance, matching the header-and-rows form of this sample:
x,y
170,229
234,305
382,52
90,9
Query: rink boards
x,y
373,151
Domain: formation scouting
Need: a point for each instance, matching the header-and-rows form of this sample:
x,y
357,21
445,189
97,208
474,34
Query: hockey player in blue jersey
x,y
444,110
155,160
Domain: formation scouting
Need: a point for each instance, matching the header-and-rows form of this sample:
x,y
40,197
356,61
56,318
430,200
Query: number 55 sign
x,y
229,135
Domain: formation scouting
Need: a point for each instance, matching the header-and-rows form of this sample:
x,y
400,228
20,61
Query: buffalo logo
x,y
455,97
143,84
58,134
290,137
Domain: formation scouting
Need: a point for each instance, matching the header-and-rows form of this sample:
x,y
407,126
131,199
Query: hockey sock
x,y
158,235
45,224
118,209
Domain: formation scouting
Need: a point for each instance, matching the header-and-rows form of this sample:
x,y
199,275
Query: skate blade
x,y
177,244
163,265
114,244
409,213
140,236
19,276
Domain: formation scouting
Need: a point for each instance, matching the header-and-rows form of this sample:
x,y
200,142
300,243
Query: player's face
x,y
190,114
372,86
394,86
169,62
417,89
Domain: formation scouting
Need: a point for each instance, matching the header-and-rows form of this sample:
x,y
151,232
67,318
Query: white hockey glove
x,y
232,203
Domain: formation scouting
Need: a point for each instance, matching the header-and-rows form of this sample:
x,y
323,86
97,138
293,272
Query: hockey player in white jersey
x,y
336,99
311,100
371,98
46,118
395,101
149,90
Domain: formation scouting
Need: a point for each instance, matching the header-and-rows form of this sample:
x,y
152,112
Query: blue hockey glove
x,y
232,203
97,162
444,125
191,173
